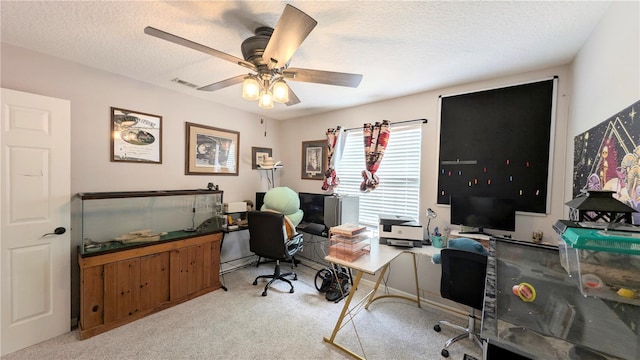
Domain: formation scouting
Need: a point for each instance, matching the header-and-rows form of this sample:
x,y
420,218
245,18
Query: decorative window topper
x,y
376,138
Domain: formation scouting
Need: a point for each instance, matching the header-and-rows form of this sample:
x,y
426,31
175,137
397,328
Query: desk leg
x,y
220,272
373,297
339,323
415,276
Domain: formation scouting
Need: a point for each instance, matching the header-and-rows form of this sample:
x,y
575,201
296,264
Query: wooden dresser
x,y
120,287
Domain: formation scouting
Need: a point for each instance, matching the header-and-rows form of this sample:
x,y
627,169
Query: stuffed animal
x,y
462,244
285,201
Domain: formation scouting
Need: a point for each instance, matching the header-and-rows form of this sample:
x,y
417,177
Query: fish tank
x,y
116,221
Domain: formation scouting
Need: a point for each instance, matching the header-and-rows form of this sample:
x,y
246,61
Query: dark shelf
x,y
131,194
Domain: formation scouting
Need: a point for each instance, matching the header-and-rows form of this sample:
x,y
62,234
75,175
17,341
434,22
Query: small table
x,y
377,261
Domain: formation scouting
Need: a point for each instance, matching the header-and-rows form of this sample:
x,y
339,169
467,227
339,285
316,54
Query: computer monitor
x,y
483,213
312,205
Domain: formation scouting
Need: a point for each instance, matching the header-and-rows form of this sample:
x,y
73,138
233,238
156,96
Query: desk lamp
x,y
430,215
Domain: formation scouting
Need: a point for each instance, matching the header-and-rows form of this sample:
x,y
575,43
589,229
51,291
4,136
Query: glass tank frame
x,y
115,221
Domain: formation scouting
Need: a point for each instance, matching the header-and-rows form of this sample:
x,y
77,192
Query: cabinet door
x,y
121,289
92,297
188,270
154,280
196,268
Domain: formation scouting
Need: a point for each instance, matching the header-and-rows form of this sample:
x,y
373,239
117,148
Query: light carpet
x,y
242,324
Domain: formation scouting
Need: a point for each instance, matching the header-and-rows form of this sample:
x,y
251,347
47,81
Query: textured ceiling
x,y
400,48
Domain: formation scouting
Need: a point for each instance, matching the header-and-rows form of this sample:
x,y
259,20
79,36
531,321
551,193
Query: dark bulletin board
x,y
497,143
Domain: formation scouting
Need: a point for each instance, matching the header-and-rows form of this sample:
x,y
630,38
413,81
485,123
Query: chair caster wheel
x,y
255,282
291,291
295,277
444,353
264,293
435,327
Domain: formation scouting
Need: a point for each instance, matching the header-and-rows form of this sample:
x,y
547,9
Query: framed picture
x,y
211,150
259,155
314,159
135,137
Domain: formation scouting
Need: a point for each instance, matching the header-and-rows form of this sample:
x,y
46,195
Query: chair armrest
x,y
294,244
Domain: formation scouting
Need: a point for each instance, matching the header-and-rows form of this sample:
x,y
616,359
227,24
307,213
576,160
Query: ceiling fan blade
x,y
293,99
291,30
322,77
195,46
223,84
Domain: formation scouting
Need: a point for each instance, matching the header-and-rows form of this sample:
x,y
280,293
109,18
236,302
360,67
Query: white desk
x,y
377,261
481,238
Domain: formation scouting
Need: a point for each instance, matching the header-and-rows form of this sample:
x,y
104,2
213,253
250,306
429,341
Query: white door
x,y
35,196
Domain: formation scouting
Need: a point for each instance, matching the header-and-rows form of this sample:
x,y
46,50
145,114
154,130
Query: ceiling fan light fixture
x,y
266,99
250,88
280,92
267,54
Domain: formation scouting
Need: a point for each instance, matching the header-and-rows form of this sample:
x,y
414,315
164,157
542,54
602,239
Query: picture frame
x,y
136,137
258,155
314,159
211,151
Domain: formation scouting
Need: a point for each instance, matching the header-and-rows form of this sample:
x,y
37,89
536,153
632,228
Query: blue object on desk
x,y
463,244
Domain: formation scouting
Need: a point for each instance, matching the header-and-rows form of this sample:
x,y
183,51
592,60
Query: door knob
x,y
58,231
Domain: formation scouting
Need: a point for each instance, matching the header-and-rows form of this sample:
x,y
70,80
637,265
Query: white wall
x,y
603,79
606,74
426,105
92,92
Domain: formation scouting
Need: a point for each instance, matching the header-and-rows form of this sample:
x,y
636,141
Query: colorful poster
x,y
607,157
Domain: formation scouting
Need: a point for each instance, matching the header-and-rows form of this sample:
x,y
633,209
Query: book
x,y
348,229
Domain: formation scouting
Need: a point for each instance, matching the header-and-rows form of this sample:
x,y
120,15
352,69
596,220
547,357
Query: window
x,y
399,190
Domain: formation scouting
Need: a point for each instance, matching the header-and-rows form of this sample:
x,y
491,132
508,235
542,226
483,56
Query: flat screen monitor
x,y
312,205
483,213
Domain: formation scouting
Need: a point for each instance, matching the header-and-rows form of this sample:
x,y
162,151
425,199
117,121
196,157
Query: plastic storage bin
x,y
605,264
349,248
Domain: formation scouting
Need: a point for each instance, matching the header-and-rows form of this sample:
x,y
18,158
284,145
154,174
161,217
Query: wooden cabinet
x,y
120,287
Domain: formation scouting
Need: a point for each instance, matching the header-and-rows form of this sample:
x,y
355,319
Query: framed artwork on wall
x,y
314,159
135,137
259,155
211,151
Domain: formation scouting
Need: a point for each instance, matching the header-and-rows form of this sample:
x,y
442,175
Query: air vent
x,y
185,83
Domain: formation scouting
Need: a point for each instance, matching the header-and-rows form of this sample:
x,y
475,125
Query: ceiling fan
x,y
267,54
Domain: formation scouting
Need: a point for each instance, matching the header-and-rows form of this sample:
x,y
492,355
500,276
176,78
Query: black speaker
x,y
259,200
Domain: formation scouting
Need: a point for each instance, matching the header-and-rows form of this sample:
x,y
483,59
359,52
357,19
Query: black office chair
x,y
462,281
268,239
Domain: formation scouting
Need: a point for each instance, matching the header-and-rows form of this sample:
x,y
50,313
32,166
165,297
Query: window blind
x,y
399,190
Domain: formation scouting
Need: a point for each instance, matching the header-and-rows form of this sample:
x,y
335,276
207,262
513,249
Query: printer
x,y
399,231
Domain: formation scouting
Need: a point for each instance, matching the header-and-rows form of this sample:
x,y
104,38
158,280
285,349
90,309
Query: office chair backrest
x,y
267,235
463,277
